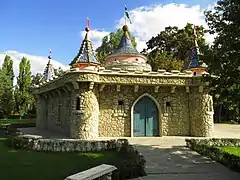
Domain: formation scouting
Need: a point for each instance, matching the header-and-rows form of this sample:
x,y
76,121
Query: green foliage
x,y
171,47
8,67
164,61
6,94
26,163
231,150
23,96
111,42
36,79
17,121
218,150
224,59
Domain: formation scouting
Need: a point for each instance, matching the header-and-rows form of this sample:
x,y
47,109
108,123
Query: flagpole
x,y
124,14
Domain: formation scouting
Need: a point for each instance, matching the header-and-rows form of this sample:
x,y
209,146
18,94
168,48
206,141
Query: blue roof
x,y
125,46
193,61
86,53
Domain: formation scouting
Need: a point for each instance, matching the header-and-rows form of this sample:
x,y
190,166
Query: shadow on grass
x,y
22,165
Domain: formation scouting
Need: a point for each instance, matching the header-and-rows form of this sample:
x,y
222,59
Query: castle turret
x,y
193,64
126,56
48,73
85,59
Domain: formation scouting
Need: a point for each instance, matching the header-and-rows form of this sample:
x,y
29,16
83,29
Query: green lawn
x,y
24,165
232,150
16,121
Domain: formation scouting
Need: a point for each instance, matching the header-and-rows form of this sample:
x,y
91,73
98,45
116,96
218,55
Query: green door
x,y
145,118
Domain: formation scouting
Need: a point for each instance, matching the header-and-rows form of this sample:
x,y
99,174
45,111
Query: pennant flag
x,y
88,23
127,15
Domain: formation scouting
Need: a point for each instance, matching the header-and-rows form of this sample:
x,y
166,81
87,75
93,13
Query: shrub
x,y
210,148
131,166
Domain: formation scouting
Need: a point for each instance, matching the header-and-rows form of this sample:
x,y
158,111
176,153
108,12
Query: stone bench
x,y
102,172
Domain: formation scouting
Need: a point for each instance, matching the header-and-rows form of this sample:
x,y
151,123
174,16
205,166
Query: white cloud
x,y
38,63
148,21
95,36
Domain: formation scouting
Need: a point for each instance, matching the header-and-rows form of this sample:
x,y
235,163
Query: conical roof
x,y
126,56
193,60
48,73
86,53
125,46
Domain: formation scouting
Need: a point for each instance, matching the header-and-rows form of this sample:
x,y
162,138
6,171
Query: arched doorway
x,y
145,118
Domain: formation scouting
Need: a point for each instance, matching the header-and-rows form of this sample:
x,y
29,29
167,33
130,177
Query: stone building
x,y
124,98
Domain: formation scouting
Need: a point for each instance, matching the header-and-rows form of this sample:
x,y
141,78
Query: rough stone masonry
x,y
91,100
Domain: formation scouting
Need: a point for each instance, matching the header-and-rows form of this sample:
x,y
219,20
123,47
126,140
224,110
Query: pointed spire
x,y
193,61
86,53
48,73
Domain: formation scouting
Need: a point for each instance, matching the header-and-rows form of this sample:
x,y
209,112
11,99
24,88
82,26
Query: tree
x,y
111,42
8,67
36,79
164,61
6,91
23,96
170,48
224,59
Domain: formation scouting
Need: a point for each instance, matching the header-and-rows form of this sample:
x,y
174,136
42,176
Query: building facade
x,y
125,98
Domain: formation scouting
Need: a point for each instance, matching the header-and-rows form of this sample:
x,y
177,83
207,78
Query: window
x,y
78,103
168,104
120,102
194,73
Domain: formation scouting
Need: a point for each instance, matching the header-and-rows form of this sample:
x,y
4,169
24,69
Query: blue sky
x,y
34,26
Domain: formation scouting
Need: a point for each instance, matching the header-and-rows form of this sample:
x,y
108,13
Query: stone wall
x,y
115,120
41,120
84,123
185,107
201,113
53,112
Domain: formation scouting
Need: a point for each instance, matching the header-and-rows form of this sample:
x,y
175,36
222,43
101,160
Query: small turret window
x,y
78,103
168,104
120,102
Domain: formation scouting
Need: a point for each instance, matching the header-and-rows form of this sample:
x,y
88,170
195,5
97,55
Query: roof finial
x,y
195,37
49,56
88,25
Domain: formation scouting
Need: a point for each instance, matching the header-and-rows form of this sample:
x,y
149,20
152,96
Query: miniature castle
x,y
125,98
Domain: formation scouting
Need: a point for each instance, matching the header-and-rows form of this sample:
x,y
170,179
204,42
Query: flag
x,y
88,23
127,15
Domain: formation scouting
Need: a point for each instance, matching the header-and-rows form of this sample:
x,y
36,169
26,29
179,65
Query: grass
x,y
22,165
17,121
231,149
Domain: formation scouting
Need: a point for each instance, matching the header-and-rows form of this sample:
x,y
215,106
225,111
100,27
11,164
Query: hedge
x,y
131,168
210,148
